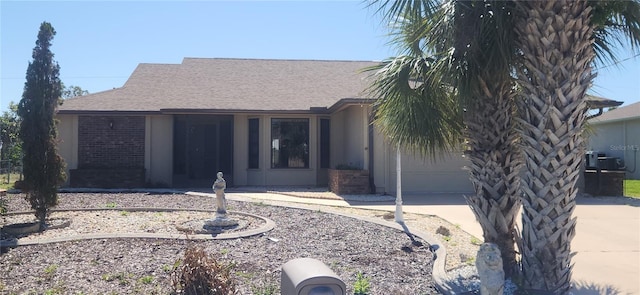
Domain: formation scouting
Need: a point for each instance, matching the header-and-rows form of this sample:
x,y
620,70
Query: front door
x,y
203,151
203,146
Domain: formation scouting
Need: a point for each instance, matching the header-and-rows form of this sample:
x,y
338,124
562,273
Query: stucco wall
x,y
68,141
338,134
241,169
159,150
354,143
618,139
349,137
349,144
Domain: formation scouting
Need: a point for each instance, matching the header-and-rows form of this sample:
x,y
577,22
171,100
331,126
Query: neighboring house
x,y
260,122
616,133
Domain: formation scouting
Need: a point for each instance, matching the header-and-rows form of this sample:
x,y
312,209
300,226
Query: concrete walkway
x,y
607,238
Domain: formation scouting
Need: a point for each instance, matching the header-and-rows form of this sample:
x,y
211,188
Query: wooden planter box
x,y
349,182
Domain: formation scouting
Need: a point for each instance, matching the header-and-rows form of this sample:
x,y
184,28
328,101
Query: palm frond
x,y
394,10
407,21
415,109
485,46
617,25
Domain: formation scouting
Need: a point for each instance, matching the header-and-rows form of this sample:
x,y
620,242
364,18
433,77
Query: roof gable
x,y
231,85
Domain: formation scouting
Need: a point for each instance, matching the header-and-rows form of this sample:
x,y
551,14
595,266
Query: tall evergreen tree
x,y
43,168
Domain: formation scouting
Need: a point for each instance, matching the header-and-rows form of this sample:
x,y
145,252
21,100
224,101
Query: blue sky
x,y
99,43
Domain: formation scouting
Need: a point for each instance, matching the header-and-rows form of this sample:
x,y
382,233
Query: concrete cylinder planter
x,y
25,228
349,182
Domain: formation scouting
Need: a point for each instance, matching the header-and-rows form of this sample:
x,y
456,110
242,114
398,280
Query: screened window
x,y
289,143
254,143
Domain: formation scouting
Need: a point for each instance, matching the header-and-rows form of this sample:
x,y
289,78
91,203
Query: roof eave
x,y
244,111
597,121
105,112
346,102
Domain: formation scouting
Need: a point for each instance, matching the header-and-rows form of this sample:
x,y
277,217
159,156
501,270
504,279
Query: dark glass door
x,y
203,145
203,151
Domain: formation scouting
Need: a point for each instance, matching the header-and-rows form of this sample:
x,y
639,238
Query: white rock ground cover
x,y
125,266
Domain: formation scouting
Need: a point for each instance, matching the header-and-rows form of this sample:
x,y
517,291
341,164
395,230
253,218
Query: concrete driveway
x,y
607,241
607,238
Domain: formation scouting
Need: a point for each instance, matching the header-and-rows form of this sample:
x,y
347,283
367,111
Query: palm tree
x,y
444,68
424,92
558,42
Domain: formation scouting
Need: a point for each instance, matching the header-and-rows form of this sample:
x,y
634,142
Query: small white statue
x,y
489,265
221,203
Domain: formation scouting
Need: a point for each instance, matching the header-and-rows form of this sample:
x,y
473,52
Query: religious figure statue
x,y
221,203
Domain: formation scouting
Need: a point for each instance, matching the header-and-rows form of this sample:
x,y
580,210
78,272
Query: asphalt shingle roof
x,y
230,85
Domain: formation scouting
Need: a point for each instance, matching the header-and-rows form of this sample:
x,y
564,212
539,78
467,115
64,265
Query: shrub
x,y
200,273
361,286
443,231
19,184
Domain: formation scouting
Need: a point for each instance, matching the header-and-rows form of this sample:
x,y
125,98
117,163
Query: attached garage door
x,y
425,176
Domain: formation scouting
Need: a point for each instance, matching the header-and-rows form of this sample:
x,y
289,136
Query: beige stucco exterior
x,y
159,149
618,139
68,141
349,127
349,138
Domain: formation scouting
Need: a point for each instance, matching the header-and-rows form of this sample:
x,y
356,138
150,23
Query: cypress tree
x,y
43,168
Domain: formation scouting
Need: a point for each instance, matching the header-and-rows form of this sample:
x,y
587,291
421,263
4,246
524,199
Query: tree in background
x,y
9,134
72,91
10,127
43,168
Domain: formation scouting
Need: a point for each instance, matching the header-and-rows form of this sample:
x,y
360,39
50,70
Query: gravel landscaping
x,y
125,266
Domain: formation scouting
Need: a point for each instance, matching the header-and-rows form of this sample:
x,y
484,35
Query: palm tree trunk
x,y
557,53
494,167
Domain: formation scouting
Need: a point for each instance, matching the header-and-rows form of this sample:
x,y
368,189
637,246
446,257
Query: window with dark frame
x,y
325,143
289,143
254,143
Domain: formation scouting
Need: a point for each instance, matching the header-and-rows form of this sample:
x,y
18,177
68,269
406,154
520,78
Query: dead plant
x,y
200,273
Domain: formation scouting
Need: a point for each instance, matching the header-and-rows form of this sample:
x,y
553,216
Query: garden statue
x,y
221,203
489,265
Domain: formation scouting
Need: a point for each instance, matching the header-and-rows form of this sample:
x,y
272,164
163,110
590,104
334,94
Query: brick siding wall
x,y
349,182
111,142
110,152
108,178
